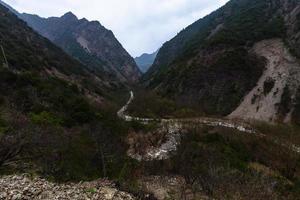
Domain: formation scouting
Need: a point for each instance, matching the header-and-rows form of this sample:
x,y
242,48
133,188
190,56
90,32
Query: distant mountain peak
x,y
90,43
145,61
69,16
84,20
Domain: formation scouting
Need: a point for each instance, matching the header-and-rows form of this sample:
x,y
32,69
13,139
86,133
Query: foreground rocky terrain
x,y
23,187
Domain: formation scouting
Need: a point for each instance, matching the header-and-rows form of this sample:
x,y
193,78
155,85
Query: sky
x,y
141,26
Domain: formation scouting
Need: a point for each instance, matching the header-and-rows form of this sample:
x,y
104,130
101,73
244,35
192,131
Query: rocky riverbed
x,y
164,141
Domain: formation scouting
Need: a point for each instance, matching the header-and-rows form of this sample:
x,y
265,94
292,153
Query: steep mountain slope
x,y
53,111
50,128
145,61
213,63
9,7
272,98
40,55
89,42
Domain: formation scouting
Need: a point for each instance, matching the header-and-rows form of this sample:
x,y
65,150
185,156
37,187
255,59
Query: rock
x,y
16,197
22,187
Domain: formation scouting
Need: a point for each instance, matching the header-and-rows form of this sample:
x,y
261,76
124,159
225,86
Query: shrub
x,y
296,113
3,126
268,86
45,118
284,107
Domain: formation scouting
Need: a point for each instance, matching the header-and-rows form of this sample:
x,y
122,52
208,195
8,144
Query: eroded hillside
x,y
210,63
274,97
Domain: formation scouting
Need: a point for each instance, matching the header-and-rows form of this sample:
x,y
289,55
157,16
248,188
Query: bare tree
x,y
10,148
98,133
13,140
5,63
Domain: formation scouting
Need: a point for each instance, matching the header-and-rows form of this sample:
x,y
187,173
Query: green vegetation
x,y
92,190
27,51
214,89
47,124
238,26
60,131
288,133
26,54
255,15
151,105
45,118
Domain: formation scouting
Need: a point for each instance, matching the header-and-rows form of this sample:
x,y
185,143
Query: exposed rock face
x,y
21,187
210,64
89,42
282,74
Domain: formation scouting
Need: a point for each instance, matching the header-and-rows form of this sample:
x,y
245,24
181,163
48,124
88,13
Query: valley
x,y
173,128
214,113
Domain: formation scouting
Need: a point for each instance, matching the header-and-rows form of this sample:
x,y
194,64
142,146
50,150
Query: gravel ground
x,y
21,187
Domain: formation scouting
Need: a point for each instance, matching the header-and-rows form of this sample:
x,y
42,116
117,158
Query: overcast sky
x,y
142,26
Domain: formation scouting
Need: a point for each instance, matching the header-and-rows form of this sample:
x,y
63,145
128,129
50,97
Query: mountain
x,y
53,109
241,61
145,61
9,7
89,42
58,123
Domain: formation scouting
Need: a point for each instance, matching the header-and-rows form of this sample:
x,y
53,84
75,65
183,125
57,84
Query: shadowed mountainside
x,y
90,43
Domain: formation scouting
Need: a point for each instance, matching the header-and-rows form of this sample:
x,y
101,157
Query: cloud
x,y
140,25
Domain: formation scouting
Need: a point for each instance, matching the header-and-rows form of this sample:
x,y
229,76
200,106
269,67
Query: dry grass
x,y
283,132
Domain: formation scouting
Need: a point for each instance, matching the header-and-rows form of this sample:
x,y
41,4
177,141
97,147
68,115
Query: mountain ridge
x,y
210,63
145,60
89,42
50,105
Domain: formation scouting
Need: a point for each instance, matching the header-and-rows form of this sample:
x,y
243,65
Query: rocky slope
x,y
211,64
145,61
90,43
23,187
280,80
